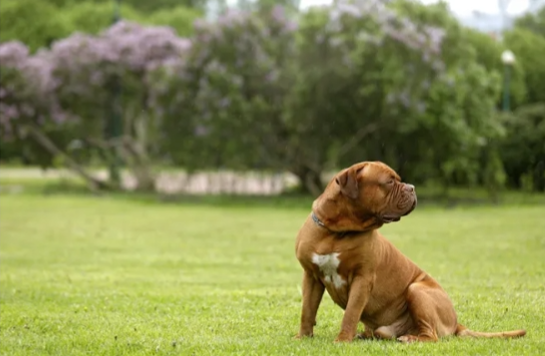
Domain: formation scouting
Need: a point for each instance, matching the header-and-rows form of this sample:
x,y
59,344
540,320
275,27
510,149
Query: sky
x,y
459,7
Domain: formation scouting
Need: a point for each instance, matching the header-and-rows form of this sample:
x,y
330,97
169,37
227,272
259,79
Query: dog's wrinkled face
x,y
364,197
374,189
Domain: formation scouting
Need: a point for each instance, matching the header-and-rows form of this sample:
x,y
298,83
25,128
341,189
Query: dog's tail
x,y
465,332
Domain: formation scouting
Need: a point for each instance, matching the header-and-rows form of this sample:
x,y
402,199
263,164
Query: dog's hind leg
x,y
431,310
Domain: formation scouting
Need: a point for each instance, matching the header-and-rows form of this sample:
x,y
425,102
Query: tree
x,y
142,6
279,98
488,54
529,50
33,22
523,147
533,22
146,6
92,18
230,96
70,85
29,109
179,18
363,72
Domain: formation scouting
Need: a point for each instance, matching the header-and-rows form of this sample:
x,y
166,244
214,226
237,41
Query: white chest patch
x,y
328,264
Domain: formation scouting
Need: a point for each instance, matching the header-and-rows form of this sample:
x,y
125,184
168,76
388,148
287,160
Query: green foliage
x,y
493,173
444,139
34,22
460,121
224,108
29,152
147,6
361,87
534,22
179,18
24,100
265,4
143,6
270,89
523,148
53,20
65,3
488,54
529,50
91,17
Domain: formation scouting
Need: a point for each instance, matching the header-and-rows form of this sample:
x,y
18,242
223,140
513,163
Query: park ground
x,y
123,275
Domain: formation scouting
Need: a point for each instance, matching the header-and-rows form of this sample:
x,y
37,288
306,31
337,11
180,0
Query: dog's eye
x,y
390,182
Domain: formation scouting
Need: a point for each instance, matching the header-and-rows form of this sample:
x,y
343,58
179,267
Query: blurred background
x,y
270,97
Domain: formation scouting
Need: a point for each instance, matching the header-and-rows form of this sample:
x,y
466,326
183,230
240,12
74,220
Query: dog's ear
x,y
348,183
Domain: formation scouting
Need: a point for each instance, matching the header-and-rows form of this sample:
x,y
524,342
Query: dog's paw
x,y
344,338
364,336
302,336
407,339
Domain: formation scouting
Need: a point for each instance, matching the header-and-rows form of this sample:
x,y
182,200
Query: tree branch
x,y
42,139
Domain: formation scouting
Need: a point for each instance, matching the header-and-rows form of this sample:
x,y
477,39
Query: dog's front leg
x,y
357,300
313,290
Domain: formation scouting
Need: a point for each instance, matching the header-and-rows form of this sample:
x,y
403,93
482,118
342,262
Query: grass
x,y
84,275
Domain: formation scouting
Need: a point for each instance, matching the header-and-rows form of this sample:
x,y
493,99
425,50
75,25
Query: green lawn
x,y
113,276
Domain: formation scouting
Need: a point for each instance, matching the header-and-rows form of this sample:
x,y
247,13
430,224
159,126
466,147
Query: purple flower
x,y
81,65
400,29
278,14
436,36
233,18
349,9
26,85
290,26
200,24
8,112
13,53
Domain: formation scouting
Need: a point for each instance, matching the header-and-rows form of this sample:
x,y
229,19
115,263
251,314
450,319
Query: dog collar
x,y
317,221
320,223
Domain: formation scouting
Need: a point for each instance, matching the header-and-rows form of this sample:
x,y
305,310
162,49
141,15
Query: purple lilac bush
x,y
267,89
71,84
234,82
82,66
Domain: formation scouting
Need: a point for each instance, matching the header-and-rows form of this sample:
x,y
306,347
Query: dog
x,y
341,251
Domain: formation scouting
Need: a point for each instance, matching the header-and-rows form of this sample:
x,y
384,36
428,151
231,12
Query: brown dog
x,y
341,251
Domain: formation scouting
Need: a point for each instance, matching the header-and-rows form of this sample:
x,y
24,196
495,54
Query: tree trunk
x,y
539,177
145,179
310,181
44,141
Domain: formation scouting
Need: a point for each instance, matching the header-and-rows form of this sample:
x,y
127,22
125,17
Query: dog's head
x,y
363,197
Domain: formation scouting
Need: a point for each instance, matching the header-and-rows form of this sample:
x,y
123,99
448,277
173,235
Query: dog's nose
x,y
409,187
